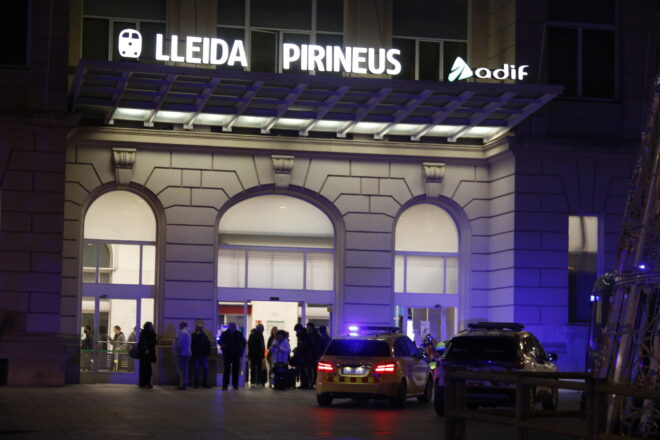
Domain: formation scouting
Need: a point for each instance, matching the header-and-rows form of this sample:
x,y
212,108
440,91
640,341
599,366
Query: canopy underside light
x,y
376,107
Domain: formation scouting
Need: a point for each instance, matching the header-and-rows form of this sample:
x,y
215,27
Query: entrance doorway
x,y
418,322
281,314
109,328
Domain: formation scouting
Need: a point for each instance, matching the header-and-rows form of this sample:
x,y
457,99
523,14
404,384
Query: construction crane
x,y
626,323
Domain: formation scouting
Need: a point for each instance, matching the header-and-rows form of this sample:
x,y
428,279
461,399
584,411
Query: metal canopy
x,y
150,93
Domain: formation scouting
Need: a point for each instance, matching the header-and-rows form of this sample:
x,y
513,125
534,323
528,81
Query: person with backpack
x,y
200,348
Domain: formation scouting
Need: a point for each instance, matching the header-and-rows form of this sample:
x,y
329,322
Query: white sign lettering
x,y
200,50
312,57
461,70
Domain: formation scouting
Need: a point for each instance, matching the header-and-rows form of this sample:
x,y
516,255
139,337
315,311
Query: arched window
x,y
119,240
276,242
426,251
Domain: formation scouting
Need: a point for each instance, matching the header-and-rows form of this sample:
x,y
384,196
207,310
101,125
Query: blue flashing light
x,y
642,266
594,298
353,328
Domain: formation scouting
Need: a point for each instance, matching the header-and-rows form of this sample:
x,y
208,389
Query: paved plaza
x,y
126,412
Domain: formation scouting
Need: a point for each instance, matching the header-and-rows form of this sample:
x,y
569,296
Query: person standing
x,y
181,348
147,353
118,342
201,349
86,347
256,351
323,340
232,344
311,353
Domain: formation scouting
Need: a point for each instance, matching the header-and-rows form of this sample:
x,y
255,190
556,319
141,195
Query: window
x,y
582,264
14,33
265,26
430,35
582,48
103,21
426,251
119,241
276,242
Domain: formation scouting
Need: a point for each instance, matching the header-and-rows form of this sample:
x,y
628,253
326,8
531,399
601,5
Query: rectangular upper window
x,y
264,26
14,33
581,48
582,265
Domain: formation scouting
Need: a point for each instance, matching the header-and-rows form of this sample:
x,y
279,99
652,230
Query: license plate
x,y
354,371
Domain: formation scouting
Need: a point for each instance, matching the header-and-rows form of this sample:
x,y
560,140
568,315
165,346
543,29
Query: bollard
x,y
522,399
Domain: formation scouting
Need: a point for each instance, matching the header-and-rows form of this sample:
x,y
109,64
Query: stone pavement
x,y
127,412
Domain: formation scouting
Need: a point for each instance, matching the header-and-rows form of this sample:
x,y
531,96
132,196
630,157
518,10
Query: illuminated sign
x,y
306,57
461,70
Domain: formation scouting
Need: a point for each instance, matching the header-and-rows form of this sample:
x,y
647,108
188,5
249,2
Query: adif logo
x,y
130,43
461,70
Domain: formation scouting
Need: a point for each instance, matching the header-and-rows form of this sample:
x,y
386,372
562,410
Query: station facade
x,y
298,185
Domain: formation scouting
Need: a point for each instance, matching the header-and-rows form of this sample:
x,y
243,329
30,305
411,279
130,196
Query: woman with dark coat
x,y
147,353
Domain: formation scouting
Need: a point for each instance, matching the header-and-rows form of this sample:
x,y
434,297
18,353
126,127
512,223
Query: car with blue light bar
x,y
373,363
495,347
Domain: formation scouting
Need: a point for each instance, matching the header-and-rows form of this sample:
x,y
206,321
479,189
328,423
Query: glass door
x,y
109,328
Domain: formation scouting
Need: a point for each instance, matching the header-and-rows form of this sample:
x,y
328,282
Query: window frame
x,y
304,250
443,255
111,21
247,29
580,27
440,41
113,261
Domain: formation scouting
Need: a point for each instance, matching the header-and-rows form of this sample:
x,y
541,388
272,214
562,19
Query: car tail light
x,y
385,368
325,367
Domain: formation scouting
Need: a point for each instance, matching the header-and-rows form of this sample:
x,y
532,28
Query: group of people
x,y
262,356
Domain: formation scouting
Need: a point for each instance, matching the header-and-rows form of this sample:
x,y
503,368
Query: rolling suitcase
x,y
281,376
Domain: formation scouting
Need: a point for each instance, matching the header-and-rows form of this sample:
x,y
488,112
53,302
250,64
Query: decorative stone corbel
x,y
123,160
282,166
434,172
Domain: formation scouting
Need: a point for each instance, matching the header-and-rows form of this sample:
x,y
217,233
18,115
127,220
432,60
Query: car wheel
x,y
400,399
439,401
428,392
324,399
551,403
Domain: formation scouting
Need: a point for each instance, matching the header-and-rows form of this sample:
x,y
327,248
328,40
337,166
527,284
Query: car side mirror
x,y
552,357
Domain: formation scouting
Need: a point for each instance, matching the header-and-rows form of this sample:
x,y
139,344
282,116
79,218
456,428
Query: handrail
x,y
595,389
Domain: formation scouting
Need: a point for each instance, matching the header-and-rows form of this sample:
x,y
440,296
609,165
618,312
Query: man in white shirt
x,y
181,348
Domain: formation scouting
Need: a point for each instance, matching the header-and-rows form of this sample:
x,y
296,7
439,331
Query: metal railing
x,y
590,424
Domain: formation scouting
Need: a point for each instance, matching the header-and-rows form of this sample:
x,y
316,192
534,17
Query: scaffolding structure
x,y
631,338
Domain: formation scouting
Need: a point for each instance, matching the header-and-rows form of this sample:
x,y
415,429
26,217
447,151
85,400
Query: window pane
x,y
452,50
281,14
582,271
231,268
13,31
452,275
562,59
113,343
398,273
330,15
582,233
127,260
95,39
117,27
586,11
264,51
148,265
275,270
147,9
89,254
407,57
231,12
430,18
320,271
120,215
231,34
429,61
426,228
147,311
424,274
149,31
598,64
298,39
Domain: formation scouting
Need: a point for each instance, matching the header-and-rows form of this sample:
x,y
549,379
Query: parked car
x,y
384,364
495,346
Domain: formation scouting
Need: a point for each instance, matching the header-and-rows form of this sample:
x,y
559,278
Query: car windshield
x,y
358,347
482,348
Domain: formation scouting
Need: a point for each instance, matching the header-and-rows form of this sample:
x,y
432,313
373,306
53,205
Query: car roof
x,y
486,332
